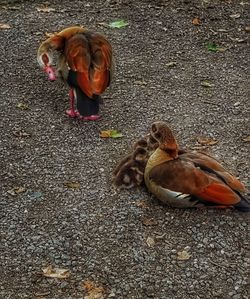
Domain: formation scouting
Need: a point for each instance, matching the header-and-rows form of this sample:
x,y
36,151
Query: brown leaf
x,y
150,242
207,141
196,21
45,9
183,255
4,26
55,272
93,290
149,221
142,204
72,185
246,139
21,134
16,190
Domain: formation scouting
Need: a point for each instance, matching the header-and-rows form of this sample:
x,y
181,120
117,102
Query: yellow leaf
x,y
72,185
105,134
4,26
183,255
207,141
55,272
110,134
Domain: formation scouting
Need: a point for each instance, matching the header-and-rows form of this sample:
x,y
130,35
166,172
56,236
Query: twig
x,y
209,102
219,265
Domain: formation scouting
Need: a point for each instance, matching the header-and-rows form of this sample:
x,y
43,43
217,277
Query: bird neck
x,y
158,157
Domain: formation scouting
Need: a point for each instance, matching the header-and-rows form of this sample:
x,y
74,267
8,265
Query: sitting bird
x,y
190,179
85,63
129,173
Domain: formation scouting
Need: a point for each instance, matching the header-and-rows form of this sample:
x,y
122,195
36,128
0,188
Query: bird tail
x,y
244,204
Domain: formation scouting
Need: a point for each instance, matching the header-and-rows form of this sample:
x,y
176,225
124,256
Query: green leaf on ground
x,y
213,47
118,24
110,134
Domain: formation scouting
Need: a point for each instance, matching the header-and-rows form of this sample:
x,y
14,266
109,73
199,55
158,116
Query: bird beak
x,y
50,72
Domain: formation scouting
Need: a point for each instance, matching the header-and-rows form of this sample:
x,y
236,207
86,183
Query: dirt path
x,y
96,233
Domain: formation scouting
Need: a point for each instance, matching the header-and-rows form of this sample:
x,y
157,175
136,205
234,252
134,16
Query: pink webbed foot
x,y
90,117
72,113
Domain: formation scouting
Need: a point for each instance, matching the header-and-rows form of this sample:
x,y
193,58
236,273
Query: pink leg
x,y
72,112
91,117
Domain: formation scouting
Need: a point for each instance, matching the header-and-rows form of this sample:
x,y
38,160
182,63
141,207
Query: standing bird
x,y
190,179
85,63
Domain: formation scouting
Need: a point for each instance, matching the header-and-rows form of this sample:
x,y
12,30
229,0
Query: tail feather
x,y
243,205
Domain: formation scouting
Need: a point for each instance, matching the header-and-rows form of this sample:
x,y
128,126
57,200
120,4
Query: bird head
x,y
164,136
141,143
45,61
140,154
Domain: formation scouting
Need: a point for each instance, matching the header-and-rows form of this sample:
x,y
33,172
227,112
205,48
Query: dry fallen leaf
x,y
72,185
93,291
21,134
16,190
55,272
183,255
110,134
41,294
196,21
142,204
246,139
149,221
235,16
23,106
140,82
150,242
206,83
4,26
207,141
171,64
45,9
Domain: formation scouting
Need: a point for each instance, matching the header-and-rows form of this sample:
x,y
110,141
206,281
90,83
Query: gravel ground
x,y
98,234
